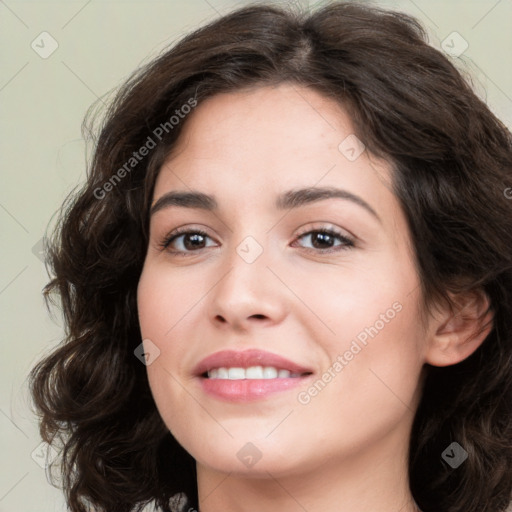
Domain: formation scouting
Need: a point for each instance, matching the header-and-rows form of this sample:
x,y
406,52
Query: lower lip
x,y
245,390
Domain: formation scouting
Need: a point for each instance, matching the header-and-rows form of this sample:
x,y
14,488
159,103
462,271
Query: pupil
x,y
195,240
323,238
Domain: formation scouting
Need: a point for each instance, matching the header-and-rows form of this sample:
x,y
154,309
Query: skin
x,y
346,449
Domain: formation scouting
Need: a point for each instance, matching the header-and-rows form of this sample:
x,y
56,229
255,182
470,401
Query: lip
x,y
245,359
247,390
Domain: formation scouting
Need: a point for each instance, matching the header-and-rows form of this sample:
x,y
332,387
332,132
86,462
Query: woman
x,y
287,282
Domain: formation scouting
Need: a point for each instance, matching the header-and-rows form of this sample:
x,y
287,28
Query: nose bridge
x,y
248,251
247,288
246,263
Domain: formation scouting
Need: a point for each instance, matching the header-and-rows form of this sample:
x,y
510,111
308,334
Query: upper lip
x,y
245,359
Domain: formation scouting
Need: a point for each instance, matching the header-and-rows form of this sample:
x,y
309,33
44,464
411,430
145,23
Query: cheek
x,y
167,310
372,340
372,379
165,299
366,302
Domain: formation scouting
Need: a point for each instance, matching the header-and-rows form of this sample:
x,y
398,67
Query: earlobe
x,y
459,330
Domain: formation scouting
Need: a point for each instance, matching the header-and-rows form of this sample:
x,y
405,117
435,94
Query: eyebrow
x,y
288,200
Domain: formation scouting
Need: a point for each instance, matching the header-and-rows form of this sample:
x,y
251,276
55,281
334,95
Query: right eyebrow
x,y
185,200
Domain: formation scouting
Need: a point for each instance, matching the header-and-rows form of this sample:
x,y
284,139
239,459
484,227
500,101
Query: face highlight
x,y
268,235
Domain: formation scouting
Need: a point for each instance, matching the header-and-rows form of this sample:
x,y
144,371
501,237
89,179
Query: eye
x,y
324,240
185,241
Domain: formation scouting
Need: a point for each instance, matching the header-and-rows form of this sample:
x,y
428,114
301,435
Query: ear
x,y
457,330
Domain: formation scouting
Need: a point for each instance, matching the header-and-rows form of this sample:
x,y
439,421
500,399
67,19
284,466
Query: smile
x,y
248,375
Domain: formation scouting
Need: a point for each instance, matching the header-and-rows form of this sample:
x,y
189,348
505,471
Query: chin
x,y
259,467
249,456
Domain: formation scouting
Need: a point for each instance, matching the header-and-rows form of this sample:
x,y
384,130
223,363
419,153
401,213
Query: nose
x,y
248,295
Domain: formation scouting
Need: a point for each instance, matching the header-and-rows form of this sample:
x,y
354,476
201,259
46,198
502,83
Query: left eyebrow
x,y
302,196
285,201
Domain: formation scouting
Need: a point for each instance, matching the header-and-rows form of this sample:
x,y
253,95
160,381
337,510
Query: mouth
x,y
249,364
252,372
244,376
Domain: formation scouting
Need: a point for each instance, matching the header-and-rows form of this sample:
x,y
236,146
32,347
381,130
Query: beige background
x,y
43,101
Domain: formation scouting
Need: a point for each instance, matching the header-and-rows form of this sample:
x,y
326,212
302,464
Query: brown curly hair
x,y
452,165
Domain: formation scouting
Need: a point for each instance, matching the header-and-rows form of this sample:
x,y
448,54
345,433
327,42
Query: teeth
x,y
269,372
253,372
235,373
222,373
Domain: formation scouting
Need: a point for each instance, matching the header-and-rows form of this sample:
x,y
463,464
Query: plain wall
x,y
43,102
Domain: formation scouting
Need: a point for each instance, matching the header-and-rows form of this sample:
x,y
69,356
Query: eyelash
x,y
346,243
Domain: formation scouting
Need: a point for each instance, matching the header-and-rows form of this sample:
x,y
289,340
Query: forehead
x,y
268,139
285,114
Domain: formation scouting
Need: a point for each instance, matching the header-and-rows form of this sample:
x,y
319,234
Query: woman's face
x,y
326,282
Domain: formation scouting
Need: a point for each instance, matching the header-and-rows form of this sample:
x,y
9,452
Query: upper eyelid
x,y
327,226
310,226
